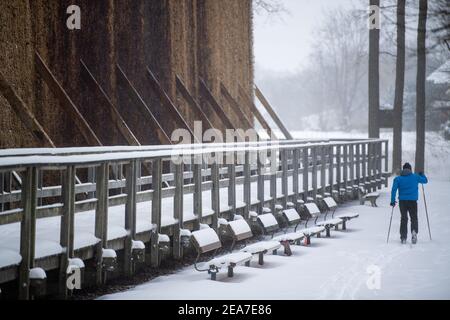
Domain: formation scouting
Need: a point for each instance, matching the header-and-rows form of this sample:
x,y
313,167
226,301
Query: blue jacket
x,y
407,185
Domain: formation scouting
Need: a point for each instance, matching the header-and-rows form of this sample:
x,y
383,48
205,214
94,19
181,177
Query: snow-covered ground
x,y
335,268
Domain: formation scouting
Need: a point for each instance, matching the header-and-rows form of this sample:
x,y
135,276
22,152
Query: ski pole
x,y
426,210
390,223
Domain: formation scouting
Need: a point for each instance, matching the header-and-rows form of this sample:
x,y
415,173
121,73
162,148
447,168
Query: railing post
x,y
130,214
261,181
139,177
178,211
331,168
247,185
198,190
2,190
323,169
101,216
352,164
358,163
232,186
295,179
364,162
370,165
284,177
67,227
338,167
273,181
156,210
305,173
345,164
215,194
314,171
27,227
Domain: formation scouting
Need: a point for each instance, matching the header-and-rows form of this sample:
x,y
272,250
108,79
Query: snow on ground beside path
x,y
334,268
437,149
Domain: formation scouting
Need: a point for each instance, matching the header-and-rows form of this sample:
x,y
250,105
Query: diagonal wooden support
x,y
114,113
126,85
272,113
192,103
207,94
24,114
235,107
167,103
256,113
66,102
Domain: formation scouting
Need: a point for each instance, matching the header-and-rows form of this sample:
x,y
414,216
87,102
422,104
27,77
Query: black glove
x,y
421,173
393,204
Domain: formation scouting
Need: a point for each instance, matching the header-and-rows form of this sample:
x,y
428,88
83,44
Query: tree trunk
x,y
420,86
399,87
374,78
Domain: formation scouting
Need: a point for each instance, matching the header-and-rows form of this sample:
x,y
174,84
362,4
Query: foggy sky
x,y
282,44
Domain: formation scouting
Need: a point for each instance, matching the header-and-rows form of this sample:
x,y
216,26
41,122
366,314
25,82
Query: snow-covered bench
x,y
332,206
207,240
240,231
371,197
293,219
269,224
314,212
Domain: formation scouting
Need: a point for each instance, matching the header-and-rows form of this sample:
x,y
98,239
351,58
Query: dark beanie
x,y
407,166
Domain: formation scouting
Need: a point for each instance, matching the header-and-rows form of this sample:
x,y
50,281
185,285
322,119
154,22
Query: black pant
x,y
411,207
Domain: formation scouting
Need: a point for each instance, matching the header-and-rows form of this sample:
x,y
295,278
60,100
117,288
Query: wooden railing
x,y
304,168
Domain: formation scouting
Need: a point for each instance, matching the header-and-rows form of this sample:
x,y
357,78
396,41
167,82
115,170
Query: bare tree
x,y
420,85
399,87
439,16
339,55
374,78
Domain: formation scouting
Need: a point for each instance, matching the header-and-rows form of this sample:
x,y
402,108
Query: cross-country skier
x,y
407,185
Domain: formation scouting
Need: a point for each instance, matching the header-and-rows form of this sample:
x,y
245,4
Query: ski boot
x,y
414,237
403,241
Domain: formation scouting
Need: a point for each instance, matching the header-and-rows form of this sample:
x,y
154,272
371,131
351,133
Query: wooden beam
x,y
235,107
117,119
66,102
167,103
67,228
126,85
178,210
207,94
101,216
156,211
192,103
27,231
130,215
24,114
256,113
272,113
